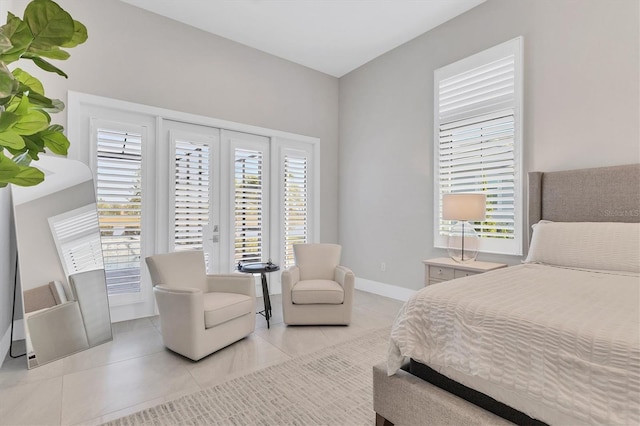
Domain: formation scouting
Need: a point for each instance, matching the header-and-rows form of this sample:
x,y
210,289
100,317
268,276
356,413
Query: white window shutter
x,y
296,204
191,196
478,142
119,197
77,239
249,208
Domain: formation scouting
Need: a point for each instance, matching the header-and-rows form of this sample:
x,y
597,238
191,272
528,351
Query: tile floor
x,y
135,371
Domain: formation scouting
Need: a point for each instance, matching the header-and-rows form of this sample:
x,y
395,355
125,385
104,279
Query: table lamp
x,y
463,239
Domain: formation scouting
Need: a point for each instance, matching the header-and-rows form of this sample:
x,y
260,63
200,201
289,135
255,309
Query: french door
x,y
219,194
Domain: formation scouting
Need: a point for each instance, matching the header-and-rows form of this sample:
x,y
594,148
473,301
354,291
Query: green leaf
x,y
5,43
7,119
19,105
20,35
80,35
27,176
8,83
11,139
31,123
53,53
34,146
30,120
49,24
57,143
32,83
44,64
8,168
46,104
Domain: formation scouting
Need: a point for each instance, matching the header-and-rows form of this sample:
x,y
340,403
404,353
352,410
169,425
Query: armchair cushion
x,y
310,292
223,307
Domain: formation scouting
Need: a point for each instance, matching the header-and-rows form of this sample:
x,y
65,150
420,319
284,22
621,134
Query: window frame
x,y
512,47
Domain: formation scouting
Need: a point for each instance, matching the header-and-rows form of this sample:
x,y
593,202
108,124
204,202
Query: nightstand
x,y
445,269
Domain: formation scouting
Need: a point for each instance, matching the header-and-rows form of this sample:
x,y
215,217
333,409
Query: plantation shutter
x,y
191,197
119,195
477,142
248,206
78,240
296,195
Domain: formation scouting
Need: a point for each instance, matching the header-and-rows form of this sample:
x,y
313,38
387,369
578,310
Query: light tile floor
x,y
135,371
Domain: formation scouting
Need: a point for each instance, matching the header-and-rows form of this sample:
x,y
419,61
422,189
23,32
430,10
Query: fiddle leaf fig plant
x,y
25,121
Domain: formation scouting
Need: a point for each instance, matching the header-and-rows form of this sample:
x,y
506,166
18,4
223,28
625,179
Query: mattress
x,y
561,345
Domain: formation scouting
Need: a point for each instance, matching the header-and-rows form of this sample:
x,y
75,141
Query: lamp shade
x,y
464,206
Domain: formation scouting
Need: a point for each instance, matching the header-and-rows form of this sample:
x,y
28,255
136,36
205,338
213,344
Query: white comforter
x,y
561,345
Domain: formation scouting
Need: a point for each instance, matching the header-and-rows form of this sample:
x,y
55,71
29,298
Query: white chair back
x,y
182,269
317,261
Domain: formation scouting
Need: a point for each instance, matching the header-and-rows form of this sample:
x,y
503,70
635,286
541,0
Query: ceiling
x,y
331,36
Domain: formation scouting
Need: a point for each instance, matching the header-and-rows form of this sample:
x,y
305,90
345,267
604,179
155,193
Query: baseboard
x,y
382,289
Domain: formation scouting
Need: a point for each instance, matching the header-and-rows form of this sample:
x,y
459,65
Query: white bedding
x,y
561,345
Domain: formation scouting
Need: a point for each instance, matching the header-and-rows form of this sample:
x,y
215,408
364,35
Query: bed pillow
x,y
592,245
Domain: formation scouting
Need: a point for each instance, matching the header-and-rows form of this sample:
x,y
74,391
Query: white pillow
x,y
590,245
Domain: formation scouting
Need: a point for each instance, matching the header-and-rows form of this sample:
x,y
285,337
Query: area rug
x,y
333,386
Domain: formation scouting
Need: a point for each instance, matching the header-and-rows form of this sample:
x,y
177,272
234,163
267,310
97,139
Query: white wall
x,y
580,110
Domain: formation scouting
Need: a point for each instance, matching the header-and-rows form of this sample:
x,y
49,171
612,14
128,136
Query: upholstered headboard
x,y
603,194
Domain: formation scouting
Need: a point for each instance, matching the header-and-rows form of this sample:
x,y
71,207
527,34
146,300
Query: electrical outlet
x,y
383,267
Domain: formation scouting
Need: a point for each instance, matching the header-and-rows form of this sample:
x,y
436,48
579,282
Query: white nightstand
x,y
445,269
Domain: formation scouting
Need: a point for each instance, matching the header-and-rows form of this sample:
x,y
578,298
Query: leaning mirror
x,y
60,265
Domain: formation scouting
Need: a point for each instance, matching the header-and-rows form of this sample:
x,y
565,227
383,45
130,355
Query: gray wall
x,y
581,109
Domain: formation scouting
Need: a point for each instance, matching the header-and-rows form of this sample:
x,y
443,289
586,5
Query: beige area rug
x,y
333,386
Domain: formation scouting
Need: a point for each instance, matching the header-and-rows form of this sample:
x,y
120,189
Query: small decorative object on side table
x,y
261,268
445,269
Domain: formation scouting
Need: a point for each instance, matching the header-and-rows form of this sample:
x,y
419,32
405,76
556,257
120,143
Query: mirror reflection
x,y
60,263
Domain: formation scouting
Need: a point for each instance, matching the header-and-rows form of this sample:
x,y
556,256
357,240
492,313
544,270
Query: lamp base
x,y
463,242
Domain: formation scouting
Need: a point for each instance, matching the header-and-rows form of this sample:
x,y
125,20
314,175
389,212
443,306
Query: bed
x,y
554,340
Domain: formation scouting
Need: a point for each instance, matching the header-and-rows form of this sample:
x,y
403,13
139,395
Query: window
x,y
191,194
478,116
295,205
249,243
119,196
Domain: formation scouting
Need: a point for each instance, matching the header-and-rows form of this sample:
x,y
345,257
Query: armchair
x,y
200,313
317,290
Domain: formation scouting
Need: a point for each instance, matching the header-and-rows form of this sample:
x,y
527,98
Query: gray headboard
x,y
603,194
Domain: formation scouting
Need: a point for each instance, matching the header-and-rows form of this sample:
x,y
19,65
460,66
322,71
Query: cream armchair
x,y
317,290
200,313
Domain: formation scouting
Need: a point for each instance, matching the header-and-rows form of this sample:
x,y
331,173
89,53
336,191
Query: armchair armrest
x,y
288,279
180,308
344,276
232,283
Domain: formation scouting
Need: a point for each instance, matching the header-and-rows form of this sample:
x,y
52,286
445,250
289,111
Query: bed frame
x,y
603,194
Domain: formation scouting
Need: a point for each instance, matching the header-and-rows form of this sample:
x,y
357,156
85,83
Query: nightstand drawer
x,y
459,274
441,273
